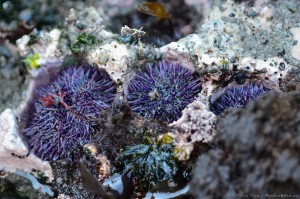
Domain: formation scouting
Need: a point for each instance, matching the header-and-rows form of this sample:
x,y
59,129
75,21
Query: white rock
x,y
22,44
270,68
196,124
113,57
296,49
183,45
11,141
54,36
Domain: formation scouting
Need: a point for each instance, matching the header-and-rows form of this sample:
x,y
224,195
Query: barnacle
x,y
61,115
162,91
237,97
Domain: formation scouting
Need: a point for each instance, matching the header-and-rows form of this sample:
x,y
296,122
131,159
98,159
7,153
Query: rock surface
x,y
226,42
258,153
11,143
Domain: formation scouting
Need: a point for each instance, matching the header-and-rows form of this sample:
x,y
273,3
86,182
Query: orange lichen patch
x,y
103,168
155,9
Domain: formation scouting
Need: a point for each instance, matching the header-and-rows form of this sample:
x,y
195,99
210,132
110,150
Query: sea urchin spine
x,y
237,97
162,91
62,114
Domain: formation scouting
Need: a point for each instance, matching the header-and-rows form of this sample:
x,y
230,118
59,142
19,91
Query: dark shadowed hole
x,y
159,32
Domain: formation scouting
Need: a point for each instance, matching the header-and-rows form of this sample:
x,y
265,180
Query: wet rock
x,y
197,124
14,155
258,151
14,186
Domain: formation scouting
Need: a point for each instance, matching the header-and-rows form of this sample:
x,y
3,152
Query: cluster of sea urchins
x,y
162,91
237,97
63,112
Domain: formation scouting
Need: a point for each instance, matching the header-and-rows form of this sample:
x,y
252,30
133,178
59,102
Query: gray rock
x,y
259,151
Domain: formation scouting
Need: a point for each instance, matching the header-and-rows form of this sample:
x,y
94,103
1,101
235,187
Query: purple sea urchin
x,y
162,91
63,112
237,97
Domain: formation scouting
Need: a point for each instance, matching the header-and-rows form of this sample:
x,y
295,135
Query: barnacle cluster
x,y
61,115
162,91
237,97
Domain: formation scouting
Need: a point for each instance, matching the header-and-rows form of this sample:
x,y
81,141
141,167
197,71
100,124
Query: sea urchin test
x,y
162,91
61,115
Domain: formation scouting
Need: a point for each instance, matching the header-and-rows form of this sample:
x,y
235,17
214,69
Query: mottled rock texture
x,y
258,151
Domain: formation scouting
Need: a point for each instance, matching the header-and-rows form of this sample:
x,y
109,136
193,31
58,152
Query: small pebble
x,y
5,51
251,13
295,42
80,26
158,55
7,6
232,15
232,59
25,15
281,66
59,180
